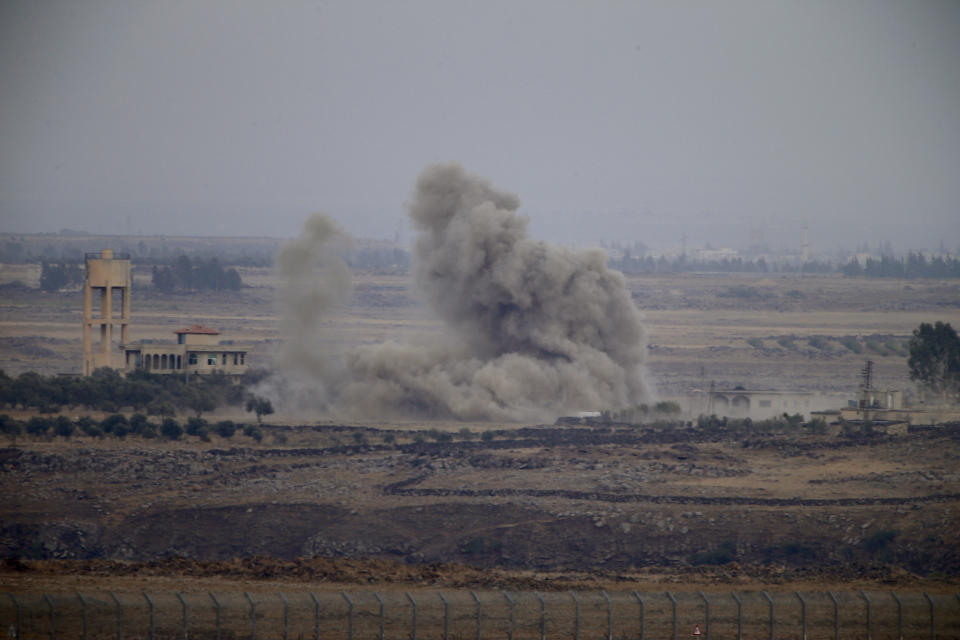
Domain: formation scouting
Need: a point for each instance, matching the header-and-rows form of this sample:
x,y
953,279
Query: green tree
x,y
64,427
226,428
195,425
260,406
183,272
29,389
139,423
37,426
163,279
6,389
171,429
187,274
115,424
89,426
201,400
9,427
668,408
935,358
54,277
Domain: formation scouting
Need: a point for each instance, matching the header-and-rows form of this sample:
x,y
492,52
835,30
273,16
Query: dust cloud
x,y
531,330
315,281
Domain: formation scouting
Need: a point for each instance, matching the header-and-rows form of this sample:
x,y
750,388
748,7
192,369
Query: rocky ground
x,y
602,501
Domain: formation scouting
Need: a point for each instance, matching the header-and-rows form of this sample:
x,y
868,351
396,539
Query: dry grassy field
x,y
698,326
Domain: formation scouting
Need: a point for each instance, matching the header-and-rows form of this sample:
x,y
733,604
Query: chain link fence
x,y
479,615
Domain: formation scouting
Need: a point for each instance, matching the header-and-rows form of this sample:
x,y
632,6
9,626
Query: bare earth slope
x,y
547,499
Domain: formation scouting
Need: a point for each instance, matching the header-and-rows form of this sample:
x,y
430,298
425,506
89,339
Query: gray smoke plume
x,y
532,329
316,280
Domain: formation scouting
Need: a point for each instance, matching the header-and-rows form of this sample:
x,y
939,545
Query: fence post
x,y
866,598
836,615
772,620
53,630
706,604
543,616
83,603
186,615
119,615
286,616
643,617
253,616
152,619
803,615
216,605
609,615
576,616
933,624
510,600
380,600
16,604
316,615
673,601
899,615
739,615
350,614
446,617
413,603
477,600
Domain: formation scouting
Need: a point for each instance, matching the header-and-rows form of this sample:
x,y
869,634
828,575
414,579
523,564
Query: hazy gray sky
x,y
611,120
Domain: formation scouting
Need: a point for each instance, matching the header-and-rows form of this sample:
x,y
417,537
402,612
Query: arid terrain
x,y
698,325
610,500
533,505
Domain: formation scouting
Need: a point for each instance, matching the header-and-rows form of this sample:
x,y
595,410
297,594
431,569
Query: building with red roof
x,y
198,350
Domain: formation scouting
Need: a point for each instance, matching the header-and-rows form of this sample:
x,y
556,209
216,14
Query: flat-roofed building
x,y
198,350
760,404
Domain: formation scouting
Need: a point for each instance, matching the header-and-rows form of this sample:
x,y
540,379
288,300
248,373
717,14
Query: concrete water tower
x,y
107,272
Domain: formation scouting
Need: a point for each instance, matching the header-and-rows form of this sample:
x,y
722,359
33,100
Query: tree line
x,y
682,264
58,275
120,426
915,265
184,273
187,274
145,394
107,390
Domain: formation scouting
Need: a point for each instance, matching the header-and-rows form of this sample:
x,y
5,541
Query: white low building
x,y
758,404
197,350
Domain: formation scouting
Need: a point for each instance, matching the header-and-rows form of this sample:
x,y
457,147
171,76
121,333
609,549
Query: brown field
x,y
697,330
574,508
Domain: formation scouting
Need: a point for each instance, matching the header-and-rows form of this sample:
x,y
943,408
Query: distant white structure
x,y
707,255
758,404
197,350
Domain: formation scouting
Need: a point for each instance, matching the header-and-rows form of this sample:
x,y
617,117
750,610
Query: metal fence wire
x,y
479,615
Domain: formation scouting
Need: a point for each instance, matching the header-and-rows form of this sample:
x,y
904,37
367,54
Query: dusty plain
x,y
536,506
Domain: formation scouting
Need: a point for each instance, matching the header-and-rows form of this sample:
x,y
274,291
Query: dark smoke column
x,y
534,329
